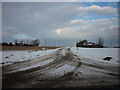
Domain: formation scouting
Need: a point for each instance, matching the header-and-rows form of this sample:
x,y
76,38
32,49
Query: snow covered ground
x,y
9,57
75,68
98,54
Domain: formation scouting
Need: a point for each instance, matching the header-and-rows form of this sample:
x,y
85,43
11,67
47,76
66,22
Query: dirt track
x,y
28,78
33,74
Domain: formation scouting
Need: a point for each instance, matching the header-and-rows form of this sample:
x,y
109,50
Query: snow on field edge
x,y
9,57
97,53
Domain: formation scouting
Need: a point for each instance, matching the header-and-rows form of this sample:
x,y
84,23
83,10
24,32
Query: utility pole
x,y
54,44
45,44
111,44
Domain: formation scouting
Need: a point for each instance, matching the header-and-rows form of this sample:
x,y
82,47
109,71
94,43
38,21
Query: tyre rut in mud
x,y
25,78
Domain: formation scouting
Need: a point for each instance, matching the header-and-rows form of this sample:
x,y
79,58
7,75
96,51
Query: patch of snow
x,y
97,53
63,52
62,70
9,57
94,68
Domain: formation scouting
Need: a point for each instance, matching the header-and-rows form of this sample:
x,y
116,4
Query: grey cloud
x,y
37,18
98,28
41,20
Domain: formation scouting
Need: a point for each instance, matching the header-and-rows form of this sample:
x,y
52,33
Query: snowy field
x,y
98,54
9,57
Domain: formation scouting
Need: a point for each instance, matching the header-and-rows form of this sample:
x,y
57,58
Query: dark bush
x,y
107,58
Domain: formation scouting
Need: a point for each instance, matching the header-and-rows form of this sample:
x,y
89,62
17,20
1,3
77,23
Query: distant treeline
x,y
35,42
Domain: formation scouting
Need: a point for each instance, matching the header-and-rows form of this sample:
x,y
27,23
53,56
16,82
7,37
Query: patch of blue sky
x,y
101,4
90,16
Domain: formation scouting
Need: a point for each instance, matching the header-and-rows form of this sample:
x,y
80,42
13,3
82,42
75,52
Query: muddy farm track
x,y
61,68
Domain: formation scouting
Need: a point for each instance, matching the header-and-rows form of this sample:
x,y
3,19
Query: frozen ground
x,y
64,67
9,57
91,53
98,53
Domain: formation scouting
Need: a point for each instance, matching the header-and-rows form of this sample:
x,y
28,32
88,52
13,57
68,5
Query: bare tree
x,y
10,44
21,43
16,42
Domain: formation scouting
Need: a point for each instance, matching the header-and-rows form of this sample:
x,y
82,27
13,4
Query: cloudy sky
x,y
60,23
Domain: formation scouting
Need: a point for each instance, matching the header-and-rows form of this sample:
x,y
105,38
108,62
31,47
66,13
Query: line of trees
x,y
35,42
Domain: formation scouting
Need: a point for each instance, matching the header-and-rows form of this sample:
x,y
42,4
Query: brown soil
x,y
9,48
